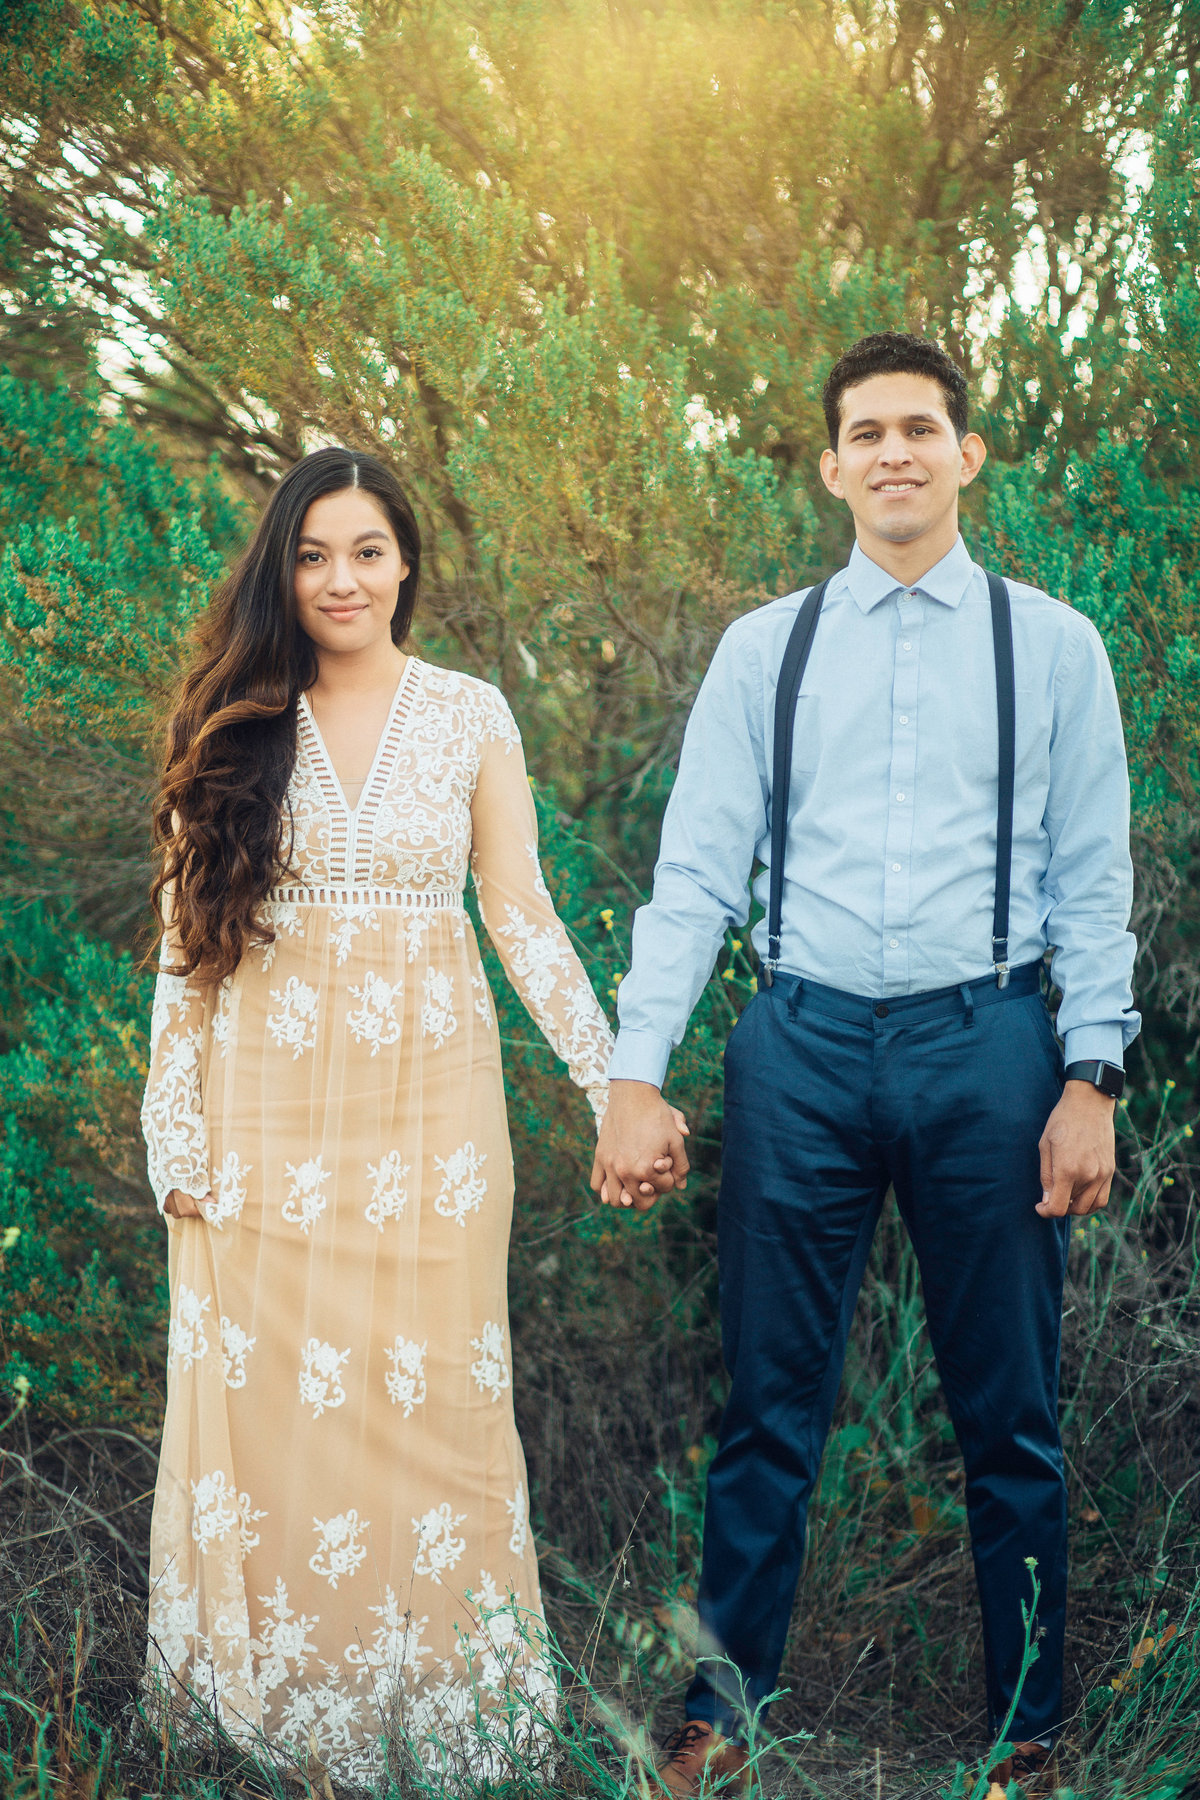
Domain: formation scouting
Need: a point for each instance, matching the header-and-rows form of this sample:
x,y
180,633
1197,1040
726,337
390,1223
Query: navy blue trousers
x,y
829,1100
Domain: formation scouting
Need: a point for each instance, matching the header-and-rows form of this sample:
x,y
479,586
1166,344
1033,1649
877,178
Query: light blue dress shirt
x,y
889,881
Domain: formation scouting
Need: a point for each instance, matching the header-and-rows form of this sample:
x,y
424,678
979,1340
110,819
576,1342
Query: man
x,y
896,1040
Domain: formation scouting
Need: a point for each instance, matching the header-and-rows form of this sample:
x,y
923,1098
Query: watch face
x,y
1108,1077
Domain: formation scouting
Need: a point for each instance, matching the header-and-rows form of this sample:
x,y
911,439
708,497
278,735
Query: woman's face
x,y
348,572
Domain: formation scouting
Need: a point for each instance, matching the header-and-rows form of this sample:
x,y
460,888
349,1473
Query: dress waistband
x,y
903,1009
407,899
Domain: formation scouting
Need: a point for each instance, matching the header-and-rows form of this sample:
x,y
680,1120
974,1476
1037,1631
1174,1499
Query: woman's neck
x,y
363,671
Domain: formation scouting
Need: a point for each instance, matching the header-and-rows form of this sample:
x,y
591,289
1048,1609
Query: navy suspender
x,y
1006,718
791,673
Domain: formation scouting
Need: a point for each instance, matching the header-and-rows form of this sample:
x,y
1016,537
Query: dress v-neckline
x,y
326,766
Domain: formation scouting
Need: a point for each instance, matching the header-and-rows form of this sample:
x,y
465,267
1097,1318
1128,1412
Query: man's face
x,y
898,464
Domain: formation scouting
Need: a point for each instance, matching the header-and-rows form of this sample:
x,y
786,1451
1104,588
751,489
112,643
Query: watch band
x,y
1106,1076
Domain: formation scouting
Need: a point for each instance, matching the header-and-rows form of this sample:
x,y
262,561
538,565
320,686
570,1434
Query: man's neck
x,y
906,563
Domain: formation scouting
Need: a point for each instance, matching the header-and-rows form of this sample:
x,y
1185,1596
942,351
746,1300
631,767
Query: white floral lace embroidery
x,y
283,917
284,1639
320,1714
172,1114
347,921
437,1547
463,1187
518,1510
222,1019
395,1649
376,1021
406,1378
389,1196
295,1023
537,955
236,1346
174,1617
218,1509
490,1371
437,1013
321,1376
338,1551
186,1339
483,999
229,1190
416,930
306,1199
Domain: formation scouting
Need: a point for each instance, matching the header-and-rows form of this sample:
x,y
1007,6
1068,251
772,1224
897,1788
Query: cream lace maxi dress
x,y
340,1538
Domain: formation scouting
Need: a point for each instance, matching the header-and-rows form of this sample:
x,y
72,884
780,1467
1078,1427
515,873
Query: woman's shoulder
x,y
478,705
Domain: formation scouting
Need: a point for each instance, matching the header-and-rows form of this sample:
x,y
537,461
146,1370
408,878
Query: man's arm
x,y
1089,887
715,818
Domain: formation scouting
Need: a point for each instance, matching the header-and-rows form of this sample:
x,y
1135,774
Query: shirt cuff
x,y
640,1056
1096,1043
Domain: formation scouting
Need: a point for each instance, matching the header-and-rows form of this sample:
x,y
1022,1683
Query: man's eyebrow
x,y
918,418
376,531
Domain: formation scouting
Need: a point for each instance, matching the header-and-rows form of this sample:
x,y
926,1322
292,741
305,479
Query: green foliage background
x,y
578,271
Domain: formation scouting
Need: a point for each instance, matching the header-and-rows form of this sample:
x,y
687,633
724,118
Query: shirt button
x,y
904,718
906,645
881,1012
895,868
894,943
899,796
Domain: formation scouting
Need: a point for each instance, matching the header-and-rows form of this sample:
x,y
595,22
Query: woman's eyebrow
x,y
375,532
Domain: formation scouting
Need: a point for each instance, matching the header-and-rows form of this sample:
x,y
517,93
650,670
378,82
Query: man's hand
x,y
1078,1152
183,1206
639,1153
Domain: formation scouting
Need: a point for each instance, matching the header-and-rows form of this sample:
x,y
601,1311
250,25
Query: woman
x,y
340,1540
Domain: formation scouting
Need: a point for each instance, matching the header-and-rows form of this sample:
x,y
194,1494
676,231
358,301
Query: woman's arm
x,y
172,1113
520,917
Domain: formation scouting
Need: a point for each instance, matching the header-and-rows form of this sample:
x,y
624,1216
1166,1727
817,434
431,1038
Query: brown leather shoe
x,y
696,1760
1033,1767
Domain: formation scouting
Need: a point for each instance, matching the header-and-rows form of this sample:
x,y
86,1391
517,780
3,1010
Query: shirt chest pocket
x,y
806,738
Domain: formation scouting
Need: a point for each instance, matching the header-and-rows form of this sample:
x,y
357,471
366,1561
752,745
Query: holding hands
x,y
640,1152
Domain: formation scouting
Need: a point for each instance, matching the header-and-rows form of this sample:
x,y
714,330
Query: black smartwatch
x,y
1104,1075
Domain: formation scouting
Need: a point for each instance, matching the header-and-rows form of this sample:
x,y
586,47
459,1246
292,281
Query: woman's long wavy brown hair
x,y
219,824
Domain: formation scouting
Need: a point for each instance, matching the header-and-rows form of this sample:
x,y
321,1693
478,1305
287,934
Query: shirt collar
x,y
947,581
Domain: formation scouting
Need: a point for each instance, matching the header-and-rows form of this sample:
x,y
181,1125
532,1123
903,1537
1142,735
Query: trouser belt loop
x,y
793,1004
968,1000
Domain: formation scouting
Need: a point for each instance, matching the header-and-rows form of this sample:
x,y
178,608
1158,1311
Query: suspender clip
x,y
1000,961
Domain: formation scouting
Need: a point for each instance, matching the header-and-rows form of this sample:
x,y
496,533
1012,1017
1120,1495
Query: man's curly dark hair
x,y
894,353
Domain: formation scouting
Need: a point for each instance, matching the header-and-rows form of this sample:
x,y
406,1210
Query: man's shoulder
x,y
762,625
1049,619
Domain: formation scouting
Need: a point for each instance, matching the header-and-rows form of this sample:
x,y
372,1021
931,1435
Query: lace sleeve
x,y
172,1115
520,917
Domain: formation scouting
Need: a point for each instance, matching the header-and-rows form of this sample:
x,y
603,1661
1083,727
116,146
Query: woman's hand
x,y
639,1153
184,1206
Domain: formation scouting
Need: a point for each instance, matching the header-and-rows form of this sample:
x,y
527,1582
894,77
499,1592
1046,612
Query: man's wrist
x,y
1084,1090
1104,1077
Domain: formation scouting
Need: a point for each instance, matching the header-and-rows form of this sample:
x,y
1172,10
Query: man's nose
x,y
895,448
